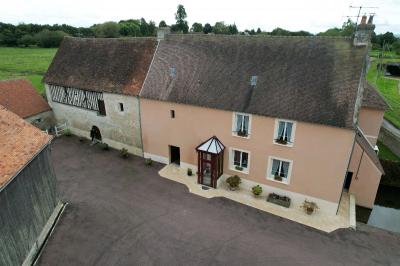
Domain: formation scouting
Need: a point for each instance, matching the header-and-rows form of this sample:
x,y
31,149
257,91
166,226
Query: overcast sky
x,y
310,15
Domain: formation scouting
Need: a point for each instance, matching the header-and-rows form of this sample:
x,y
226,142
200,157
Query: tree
x,y
233,29
181,23
27,40
207,28
387,38
107,30
330,32
396,47
129,28
258,31
47,38
348,28
220,28
162,24
196,27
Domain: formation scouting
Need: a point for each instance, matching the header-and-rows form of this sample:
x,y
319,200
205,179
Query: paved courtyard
x,y
122,212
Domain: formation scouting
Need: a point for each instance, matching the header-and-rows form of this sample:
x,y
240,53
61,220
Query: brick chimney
x,y
364,30
162,32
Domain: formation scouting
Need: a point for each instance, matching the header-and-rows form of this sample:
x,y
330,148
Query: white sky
x,y
309,15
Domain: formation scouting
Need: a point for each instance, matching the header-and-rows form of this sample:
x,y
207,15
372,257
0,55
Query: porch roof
x,y
212,145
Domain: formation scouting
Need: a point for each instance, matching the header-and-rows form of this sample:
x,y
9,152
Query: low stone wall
x,y
390,140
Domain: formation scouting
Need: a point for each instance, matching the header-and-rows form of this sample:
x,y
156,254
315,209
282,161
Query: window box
x,y
281,141
279,200
242,133
238,168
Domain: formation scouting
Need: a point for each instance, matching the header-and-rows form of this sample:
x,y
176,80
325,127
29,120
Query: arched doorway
x,y
95,133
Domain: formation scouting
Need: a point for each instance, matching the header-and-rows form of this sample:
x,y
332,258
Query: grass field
x,y
30,63
389,89
386,154
388,54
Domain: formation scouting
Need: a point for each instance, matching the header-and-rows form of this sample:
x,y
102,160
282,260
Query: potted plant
x,y
309,206
67,132
279,200
189,172
124,153
104,146
233,182
257,190
148,161
239,168
278,178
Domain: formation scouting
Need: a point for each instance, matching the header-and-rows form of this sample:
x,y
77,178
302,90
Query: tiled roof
x,y
19,143
116,65
311,79
372,98
20,97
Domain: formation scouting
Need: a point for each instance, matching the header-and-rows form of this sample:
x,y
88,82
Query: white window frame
x,y
269,168
234,133
232,166
291,143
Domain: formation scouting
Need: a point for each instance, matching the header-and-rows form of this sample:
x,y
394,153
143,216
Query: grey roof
x,y
312,79
372,98
110,65
368,149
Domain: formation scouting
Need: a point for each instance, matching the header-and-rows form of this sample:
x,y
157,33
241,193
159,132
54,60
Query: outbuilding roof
x,y
372,98
311,79
20,97
116,65
19,143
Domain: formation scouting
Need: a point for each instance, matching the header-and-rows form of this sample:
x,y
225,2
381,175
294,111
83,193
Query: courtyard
x,y
121,212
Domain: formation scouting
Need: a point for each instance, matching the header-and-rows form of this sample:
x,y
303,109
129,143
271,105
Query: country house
x,y
292,114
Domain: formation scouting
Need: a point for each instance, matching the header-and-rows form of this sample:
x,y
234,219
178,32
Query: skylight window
x,y
172,71
253,80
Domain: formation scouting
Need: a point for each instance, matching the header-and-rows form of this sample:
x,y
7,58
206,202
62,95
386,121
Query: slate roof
x,y
109,65
311,79
20,97
372,98
368,149
19,143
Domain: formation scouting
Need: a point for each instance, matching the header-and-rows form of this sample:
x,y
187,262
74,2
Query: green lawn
x,y
388,54
386,154
30,63
389,89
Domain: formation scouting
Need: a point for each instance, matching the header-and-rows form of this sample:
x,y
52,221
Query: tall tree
x,y
181,23
233,29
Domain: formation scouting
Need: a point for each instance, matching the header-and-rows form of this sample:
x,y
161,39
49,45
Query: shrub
x,y
148,161
257,190
233,181
48,39
27,40
67,132
189,172
124,153
309,206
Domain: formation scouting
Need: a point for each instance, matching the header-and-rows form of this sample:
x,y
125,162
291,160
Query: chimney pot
x,y
363,20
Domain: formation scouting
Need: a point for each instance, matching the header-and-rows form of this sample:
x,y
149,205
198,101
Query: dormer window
x,y
241,125
253,80
284,132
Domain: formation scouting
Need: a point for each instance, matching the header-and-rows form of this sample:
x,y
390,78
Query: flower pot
x,y
309,210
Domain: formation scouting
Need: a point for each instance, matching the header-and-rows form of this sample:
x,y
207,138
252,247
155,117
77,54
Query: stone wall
x,y
119,129
43,120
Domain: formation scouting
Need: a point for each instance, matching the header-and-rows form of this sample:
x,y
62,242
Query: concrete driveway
x,y
121,212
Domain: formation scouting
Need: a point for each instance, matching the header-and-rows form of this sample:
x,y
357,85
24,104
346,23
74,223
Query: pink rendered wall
x,y
320,154
370,121
366,178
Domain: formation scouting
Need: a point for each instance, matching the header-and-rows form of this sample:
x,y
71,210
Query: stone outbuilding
x,y
20,97
93,84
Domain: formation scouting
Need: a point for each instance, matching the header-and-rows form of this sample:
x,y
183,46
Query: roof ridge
x,y
261,36
118,38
